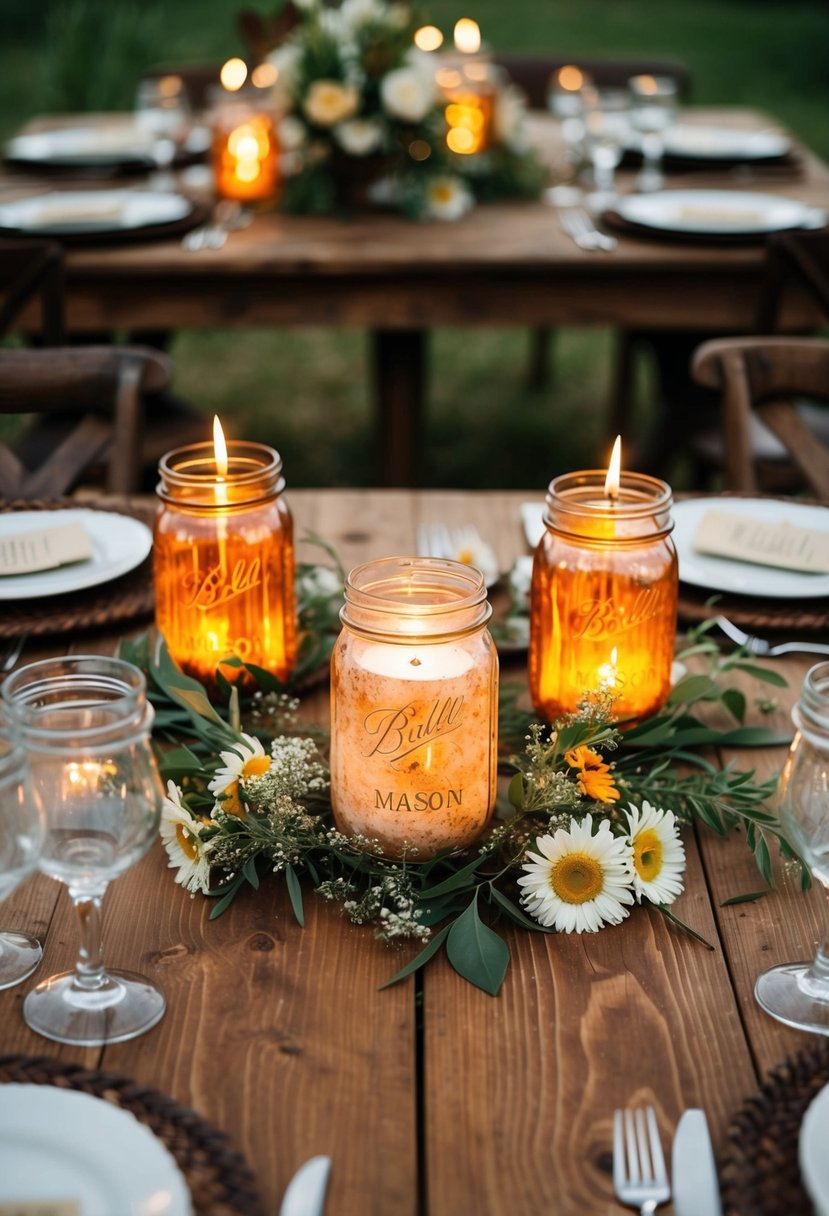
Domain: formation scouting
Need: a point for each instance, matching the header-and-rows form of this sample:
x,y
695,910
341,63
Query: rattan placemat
x,y
122,599
219,1179
760,1174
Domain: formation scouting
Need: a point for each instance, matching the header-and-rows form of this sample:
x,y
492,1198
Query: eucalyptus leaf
x,y
295,894
250,873
420,960
476,952
680,924
748,898
226,898
456,881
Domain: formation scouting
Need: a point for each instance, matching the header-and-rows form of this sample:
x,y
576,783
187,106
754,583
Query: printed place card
x,y
784,545
44,549
43,1207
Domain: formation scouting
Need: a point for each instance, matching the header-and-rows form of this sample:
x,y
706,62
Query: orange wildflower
x,y
595,779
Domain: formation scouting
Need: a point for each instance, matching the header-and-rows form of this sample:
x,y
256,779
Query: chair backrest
x,y
102,384
532,72
29,269
793,257
761,375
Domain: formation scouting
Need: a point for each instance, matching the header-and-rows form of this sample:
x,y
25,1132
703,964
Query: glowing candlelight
x,y
570,78
428,38
233,74
244,151
467,36
614,472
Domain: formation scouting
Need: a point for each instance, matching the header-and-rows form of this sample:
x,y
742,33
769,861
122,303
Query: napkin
x,y
44,549
782,545
84,210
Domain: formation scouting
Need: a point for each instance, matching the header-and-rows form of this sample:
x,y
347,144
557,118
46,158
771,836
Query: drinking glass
x,y
84,724
606,132
162,108
564,101
21,833
798,993
653,110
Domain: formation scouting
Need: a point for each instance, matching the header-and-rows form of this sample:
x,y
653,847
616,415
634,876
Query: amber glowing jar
x,y
470,106
244,152
414,707
604,592
223,560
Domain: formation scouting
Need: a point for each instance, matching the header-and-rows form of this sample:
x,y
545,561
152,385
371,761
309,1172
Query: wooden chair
x,y
31,269
758,377
793,258
101,384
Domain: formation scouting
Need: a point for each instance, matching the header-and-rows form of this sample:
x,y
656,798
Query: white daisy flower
x,y
578,880
448,198
658,854
408,94
185,848
470,548
246,760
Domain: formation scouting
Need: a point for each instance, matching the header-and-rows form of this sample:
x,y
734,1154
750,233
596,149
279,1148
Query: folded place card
x,y
44,549
784,545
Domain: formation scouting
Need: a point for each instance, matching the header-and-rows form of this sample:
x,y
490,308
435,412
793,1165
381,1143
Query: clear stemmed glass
x,y
564,101
652,112
21,834
798,993
84,724
162,108
606,132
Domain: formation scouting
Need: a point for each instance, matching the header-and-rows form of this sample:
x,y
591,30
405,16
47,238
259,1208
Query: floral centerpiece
x,y
363,119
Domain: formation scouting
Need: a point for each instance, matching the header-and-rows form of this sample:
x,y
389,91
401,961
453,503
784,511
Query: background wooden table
x,y
432,1097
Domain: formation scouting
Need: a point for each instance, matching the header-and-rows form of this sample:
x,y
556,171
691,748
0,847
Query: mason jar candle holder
x,y
224,560
414,707
244,150
603,597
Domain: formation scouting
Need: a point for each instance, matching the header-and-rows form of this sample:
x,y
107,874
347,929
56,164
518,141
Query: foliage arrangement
x,y
591,829
364,119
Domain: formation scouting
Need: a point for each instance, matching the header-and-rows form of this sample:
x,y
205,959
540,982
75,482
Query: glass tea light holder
x,y
414,707
604,594
223,557
244,148
467,81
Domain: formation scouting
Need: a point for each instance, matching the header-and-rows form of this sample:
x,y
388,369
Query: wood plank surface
x,y
433,1098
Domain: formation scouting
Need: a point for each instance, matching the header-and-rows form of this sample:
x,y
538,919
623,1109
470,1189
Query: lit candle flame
x,y
233,75
264,75
467,36
570,78
611,482
219,447
608,671
428,38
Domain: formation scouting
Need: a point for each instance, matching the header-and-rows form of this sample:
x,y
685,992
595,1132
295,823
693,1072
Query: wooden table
x,y
505,264
432,1097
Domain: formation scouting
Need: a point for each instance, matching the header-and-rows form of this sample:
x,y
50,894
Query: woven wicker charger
x,y
121,599
761,1175
220,1182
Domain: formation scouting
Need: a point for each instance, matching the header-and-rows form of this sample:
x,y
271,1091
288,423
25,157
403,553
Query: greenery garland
x,y
235,811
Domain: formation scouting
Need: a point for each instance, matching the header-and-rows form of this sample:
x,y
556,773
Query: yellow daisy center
x,y
466,556
647,855
577,878
231,802
186,842
442,192
256,766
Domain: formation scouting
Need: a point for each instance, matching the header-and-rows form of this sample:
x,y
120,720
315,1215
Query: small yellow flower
x,y
595,780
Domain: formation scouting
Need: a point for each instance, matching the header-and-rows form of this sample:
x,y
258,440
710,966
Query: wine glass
x,y
84,724
21,833
653,110
162,109
798,993
564,101
606,131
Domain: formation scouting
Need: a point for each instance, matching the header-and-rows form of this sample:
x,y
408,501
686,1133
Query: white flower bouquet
x,y
363,120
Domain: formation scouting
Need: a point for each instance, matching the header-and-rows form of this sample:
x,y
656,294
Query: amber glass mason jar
x,y
414,707
604,592
224,560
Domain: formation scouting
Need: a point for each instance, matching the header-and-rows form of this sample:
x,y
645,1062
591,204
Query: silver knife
x,y
696,1191
305,1195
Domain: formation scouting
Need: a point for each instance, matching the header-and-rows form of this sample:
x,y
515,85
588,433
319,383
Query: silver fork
x,y
580,228
639,1175
764,649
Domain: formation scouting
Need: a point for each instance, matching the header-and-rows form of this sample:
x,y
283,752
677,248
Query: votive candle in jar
x,y
224,559
244,150
414,707
604,594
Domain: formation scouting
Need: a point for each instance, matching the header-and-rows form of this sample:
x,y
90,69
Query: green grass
x,y
306,391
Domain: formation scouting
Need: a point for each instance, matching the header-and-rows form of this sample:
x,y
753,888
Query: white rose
x,y
448,198
408,94
359,137
329,102
356,13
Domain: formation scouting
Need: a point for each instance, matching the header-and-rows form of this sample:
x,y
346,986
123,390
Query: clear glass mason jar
x,y
414,707
798,993
224,560
603,598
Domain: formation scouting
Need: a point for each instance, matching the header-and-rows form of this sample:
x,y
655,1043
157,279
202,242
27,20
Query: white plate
x,y
83,146
119,544
718,212
724,143
67,211
61,1144
746,578
814,1160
